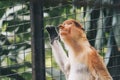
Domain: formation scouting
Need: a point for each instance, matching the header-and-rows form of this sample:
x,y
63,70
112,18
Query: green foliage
x,y
15,34
15,47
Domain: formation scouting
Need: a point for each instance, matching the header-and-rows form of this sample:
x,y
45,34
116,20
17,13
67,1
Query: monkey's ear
x,y
83,29
52,33
77,24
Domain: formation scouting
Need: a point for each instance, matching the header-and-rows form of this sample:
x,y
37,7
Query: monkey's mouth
x,y
63,32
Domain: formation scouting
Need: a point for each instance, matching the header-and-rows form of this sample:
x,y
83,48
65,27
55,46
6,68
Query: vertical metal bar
x,y
38,56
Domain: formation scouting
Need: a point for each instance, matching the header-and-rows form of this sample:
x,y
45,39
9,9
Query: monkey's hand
x,y
52,33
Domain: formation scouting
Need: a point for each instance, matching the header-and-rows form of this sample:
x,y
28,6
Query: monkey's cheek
x,y
62,33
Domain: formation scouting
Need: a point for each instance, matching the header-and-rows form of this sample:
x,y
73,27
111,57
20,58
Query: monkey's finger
x,y
52,33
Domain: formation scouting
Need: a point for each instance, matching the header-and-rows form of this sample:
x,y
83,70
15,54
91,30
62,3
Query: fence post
x,y
38,52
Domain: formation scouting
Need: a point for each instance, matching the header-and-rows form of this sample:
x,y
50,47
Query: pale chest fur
x,y
78,65
79,71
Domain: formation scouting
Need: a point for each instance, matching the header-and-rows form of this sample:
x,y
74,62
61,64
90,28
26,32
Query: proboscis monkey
x,y
83,62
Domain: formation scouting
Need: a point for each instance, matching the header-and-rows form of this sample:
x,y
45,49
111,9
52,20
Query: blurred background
x,y
100,19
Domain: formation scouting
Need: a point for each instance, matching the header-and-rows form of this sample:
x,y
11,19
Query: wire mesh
x,y
15,40
100,19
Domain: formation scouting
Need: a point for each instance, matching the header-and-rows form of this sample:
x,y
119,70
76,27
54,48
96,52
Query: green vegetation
x,y
100,23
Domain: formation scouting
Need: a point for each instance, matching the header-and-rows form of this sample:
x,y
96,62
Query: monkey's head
x,y
71,29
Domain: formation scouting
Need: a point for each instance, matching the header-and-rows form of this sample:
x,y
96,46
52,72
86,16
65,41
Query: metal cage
x,y
25,51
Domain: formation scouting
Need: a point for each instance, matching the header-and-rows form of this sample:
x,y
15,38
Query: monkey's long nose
x,y
60,26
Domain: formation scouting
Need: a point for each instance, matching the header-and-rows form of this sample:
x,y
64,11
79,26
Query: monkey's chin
x,y
64,32
63,36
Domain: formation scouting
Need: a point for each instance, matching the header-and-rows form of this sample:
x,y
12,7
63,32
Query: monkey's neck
x,y
78,46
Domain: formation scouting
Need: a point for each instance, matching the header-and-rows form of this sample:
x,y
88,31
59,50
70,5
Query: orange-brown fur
x,y
81,53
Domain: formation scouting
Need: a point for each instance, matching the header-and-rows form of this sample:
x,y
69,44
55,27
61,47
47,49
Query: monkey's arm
x,y
97,67
59,55
58,52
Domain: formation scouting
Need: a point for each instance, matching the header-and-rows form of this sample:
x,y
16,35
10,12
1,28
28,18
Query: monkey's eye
x,y
69,23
